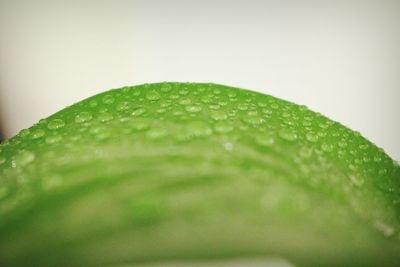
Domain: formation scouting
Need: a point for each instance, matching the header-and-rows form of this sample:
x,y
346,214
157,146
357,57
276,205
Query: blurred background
x,y
340,58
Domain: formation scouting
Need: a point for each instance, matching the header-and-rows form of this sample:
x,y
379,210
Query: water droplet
x,y
165,103
52,182
126,89
56,124
184,91
157,133
384,228
383,172
289,121
99,132
218,115
353,167
252,119
228,146
342,143
356,180
309,118
327,147
193,109
103,117
153,95
199,129
267,111
363,146
38,134
138,111
83,117
217,91
124,119
302,108
185,101
108,99
93,103
123,106
24,132
262,104
52,139
377,158
223,127
366,158
274,106
166,88
341,154
214,106
288,135
183,135
305,152
206,99
312,137
75,137
24,157
243,106
177,113
174,96
323,125
140,124
232,94
265,140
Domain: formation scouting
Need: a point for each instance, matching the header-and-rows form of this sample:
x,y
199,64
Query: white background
x,y
341,58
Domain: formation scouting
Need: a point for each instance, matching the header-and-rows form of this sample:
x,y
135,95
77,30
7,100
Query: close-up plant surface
x,y
172,172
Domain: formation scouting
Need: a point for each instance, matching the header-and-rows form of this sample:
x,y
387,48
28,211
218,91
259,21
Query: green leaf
x,y
188,171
